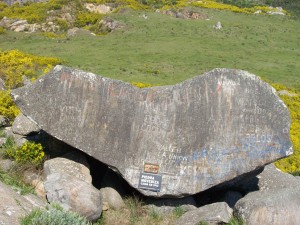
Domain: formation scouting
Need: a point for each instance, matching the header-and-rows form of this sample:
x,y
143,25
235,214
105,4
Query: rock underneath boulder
x,y
168,206
112,198
69,184
273,178
24,126
189,137
68,167
213,214
13,206
279,206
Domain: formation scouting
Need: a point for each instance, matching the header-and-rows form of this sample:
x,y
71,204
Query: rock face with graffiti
x,y
185,138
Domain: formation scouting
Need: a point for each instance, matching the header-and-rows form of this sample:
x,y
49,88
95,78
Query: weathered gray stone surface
x,y
24,126
200,132
112,198
13,205
279,206
19,139
213,214
68,167
273,178
6,164
69,184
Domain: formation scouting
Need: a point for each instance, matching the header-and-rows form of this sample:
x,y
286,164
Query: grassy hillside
x,y
166,50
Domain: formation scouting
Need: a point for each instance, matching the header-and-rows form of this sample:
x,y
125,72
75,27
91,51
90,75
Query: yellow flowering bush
x,y
291,164
16,64
8,107
33,12
140,84
29,152
222,6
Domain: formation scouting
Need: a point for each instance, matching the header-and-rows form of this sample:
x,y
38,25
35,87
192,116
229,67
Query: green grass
x,y
15,181
166,50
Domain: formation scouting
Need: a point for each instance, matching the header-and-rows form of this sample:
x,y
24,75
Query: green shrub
x,y
178,211
2,31
53,35
53,215
16,182
8,107
86,19
29,152
63,24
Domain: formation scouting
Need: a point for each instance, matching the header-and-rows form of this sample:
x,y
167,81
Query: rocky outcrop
x,y
184,14
19,25
101,9
165,141
69,184
13,205
213,214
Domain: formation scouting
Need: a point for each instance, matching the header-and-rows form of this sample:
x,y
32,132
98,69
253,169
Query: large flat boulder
x,y
14,206
165,141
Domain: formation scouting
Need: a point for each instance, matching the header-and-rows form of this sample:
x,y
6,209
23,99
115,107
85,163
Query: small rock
x,y
2,85
26,80
213,214
20,28
218,26
6,164
112,198
287,93
29,176
4,122
39,188
258,12
2,141
24,126
18,139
